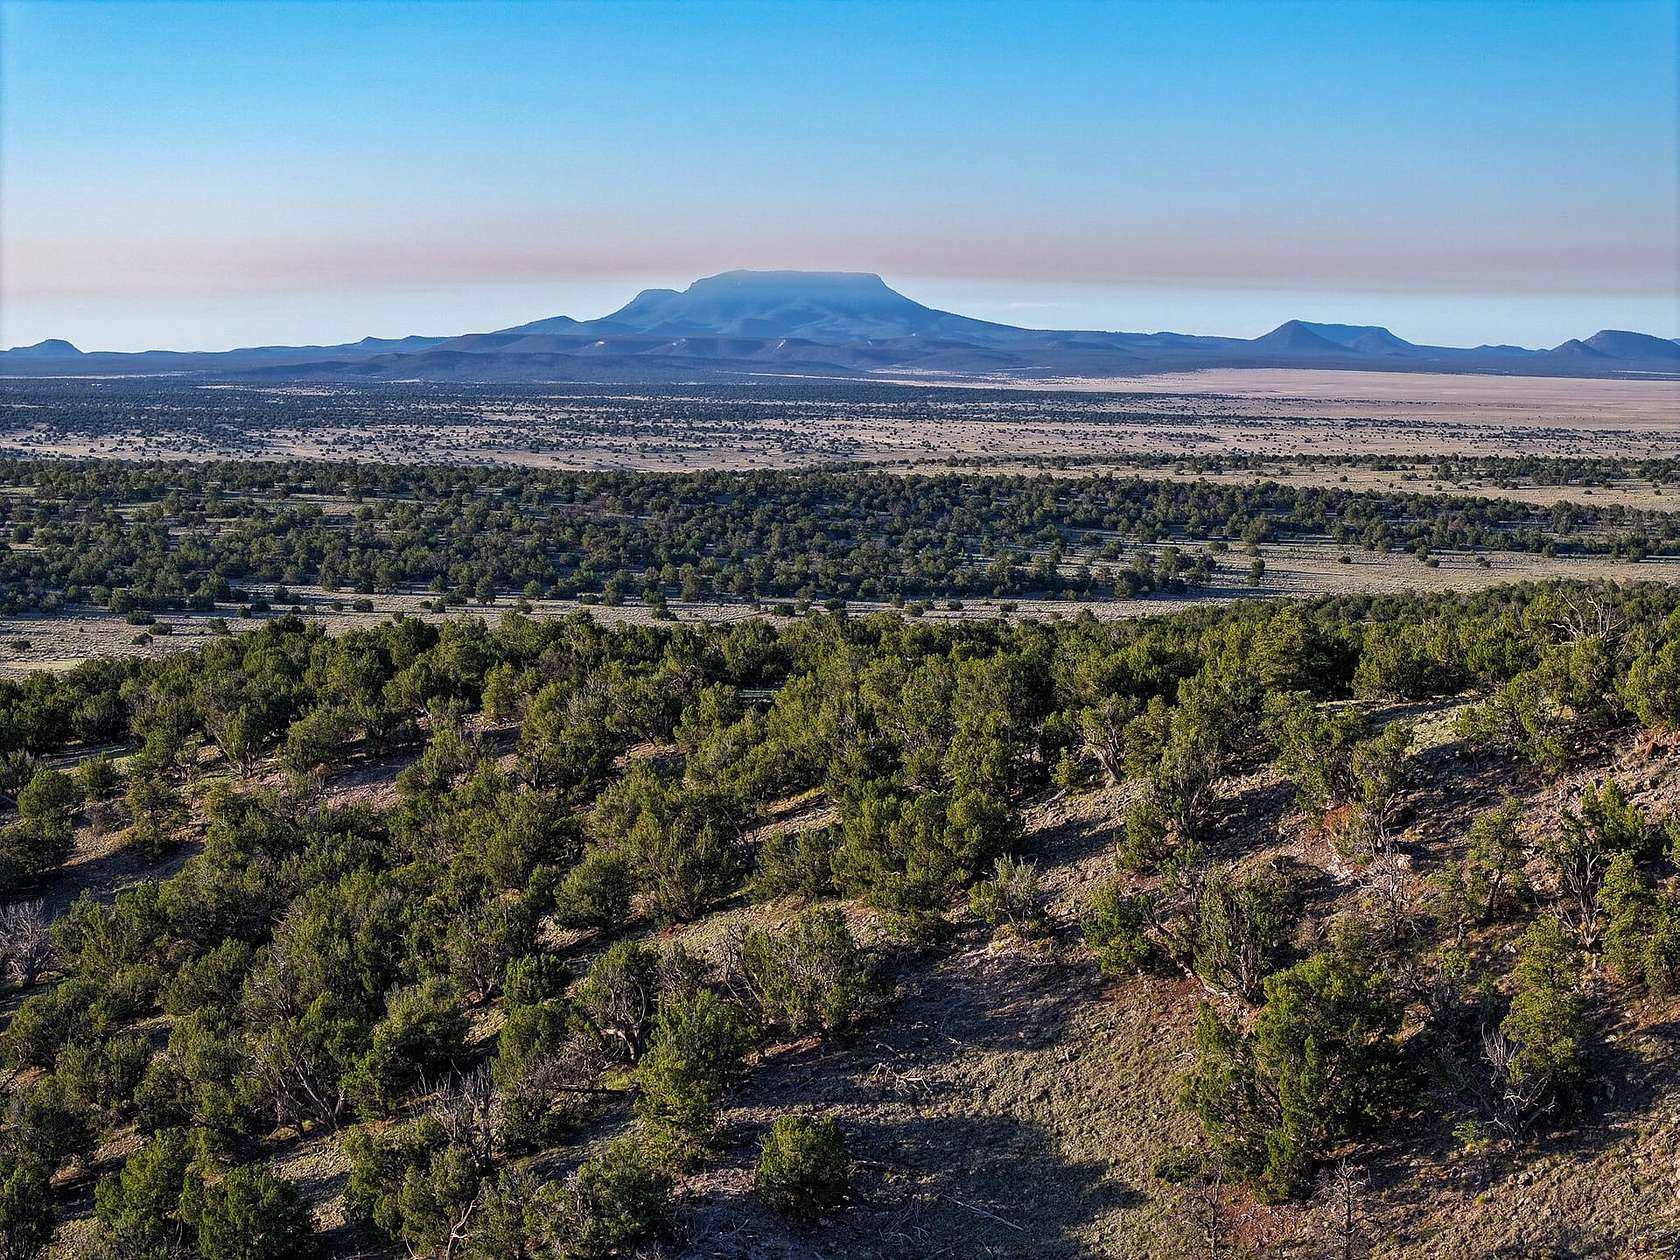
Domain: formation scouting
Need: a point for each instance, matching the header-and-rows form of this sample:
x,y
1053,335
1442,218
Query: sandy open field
x,y
1393,411
783,423
1517,395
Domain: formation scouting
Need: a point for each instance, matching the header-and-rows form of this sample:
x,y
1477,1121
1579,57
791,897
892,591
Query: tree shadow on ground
x,y
1412,1164
1249,819
941,1106
109,868
1072,839
926,1187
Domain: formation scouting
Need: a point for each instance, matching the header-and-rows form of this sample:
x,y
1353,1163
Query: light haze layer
x,y
214,175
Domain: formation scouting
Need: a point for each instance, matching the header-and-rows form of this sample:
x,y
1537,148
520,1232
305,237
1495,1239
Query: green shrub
x,y
424,1030
1518,718
1579,854
1012,898
50,800
103,1074
803,1170
1315,750
534,978
412,1183
614,1202
98,777
164,1097
809,976
49,1123
248,1214
617,997
1117,929
1409,662
796,865
912,853
158,811
694,1050
1178,790
139,1208
1618,825
211,981
1642,927
76,1007
1547,1019
534,1029
1318,1067
684,871
1243,921
1543,713
480,942
26,1215
1491,877
596,892
1651,687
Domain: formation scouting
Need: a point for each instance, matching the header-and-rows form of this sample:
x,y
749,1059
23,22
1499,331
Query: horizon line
x,y
307,343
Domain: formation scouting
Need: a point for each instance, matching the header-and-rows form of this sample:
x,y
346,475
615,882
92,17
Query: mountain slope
x,y
1365,338
56,357
1619,344
51,348
1294,338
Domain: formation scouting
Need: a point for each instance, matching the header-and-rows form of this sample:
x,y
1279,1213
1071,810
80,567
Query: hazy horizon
x,y
204,177
1233,313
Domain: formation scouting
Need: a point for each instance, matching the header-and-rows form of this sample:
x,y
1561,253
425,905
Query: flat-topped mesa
x,y
827,306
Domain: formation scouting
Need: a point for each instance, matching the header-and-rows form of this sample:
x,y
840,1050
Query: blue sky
x,y
205,175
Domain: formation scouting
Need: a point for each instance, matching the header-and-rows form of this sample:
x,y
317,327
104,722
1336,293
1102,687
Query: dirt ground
x,y
1512,397
1012,1103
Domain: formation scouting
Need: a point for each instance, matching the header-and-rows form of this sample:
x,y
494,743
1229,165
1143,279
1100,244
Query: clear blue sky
x,y
207,175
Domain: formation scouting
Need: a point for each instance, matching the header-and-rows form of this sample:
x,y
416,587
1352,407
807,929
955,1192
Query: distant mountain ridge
x,y
743,323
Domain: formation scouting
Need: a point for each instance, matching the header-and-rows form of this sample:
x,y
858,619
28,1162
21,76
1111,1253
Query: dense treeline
x,y
1503,471
315,968
157,536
